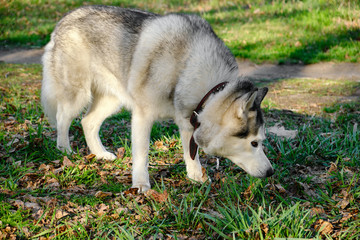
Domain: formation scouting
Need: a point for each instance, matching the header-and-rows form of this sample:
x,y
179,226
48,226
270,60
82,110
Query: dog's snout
x,y
270,172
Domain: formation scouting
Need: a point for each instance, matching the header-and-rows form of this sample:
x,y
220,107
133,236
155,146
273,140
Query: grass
x,y
314,193
276,31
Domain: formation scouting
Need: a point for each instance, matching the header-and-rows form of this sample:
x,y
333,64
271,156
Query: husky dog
x,y
103,58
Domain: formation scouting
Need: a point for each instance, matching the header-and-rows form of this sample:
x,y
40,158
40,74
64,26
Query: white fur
x,y
161,72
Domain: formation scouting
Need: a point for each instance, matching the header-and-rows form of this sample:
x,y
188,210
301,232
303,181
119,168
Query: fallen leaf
x,y
67,162
159,145
280,188
18,203
316,211
324,227
53,183
264,227
102,209
101,194
346,216
248,192
90,156
158,197
308,190
60,214
120,153
280,131
32,206
343,203
333,168
131,191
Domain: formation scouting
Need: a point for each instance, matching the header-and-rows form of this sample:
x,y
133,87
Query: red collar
x,y
194,120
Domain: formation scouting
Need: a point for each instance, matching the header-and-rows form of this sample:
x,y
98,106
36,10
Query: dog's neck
x,y
194,116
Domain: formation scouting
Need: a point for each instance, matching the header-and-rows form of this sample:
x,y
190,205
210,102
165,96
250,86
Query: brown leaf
x,y
101,194
280,188
120,153
324,227
90,156
131,191
32,206
67,162
158,197
60,214
53,183
308,190
159,145
265,228
316,211
346,216
103,209
248,192
343,203
333,168
18,203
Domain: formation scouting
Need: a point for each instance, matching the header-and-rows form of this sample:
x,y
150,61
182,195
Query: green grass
x,y
316,184
277,31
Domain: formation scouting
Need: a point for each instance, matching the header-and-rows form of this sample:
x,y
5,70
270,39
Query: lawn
x,y
313,139
276,31
314,193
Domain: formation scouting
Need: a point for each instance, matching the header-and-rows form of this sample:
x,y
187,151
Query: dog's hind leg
x,y
66,112
102,107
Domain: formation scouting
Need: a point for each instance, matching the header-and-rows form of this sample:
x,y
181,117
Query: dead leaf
x,y
32,206
120,153
101,194
158,197
324,227
90,156
102,209
308,190
159,145
67,162
346,216
333,168
18,203
26,231
298,44
60,214
280,131
248,192
280,188
265,228
53,183
343,203
316,211
131,191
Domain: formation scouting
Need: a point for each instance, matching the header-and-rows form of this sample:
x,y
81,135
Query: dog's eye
x,y
254,144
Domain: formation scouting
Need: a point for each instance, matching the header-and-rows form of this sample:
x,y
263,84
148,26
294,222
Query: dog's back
x,y
83,41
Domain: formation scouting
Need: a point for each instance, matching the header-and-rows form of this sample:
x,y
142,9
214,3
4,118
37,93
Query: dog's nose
x,y
270,172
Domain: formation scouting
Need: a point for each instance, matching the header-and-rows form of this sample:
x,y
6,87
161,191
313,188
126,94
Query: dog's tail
x,y
48,89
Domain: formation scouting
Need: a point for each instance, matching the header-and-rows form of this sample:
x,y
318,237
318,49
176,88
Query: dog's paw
x,y
65,149
142,187
198,176
105,155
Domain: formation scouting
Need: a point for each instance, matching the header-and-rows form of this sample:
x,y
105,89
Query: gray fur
x,y
102,58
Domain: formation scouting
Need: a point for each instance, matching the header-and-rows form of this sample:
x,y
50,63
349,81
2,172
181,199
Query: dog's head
x,y
232,126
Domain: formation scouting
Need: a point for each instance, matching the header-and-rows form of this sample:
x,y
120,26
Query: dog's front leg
x,y
193,167
140,136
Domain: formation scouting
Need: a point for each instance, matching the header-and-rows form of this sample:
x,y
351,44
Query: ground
x,y
313,143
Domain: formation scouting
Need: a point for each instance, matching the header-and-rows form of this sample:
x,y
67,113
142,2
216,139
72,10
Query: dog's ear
x,y
245,102
261,93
